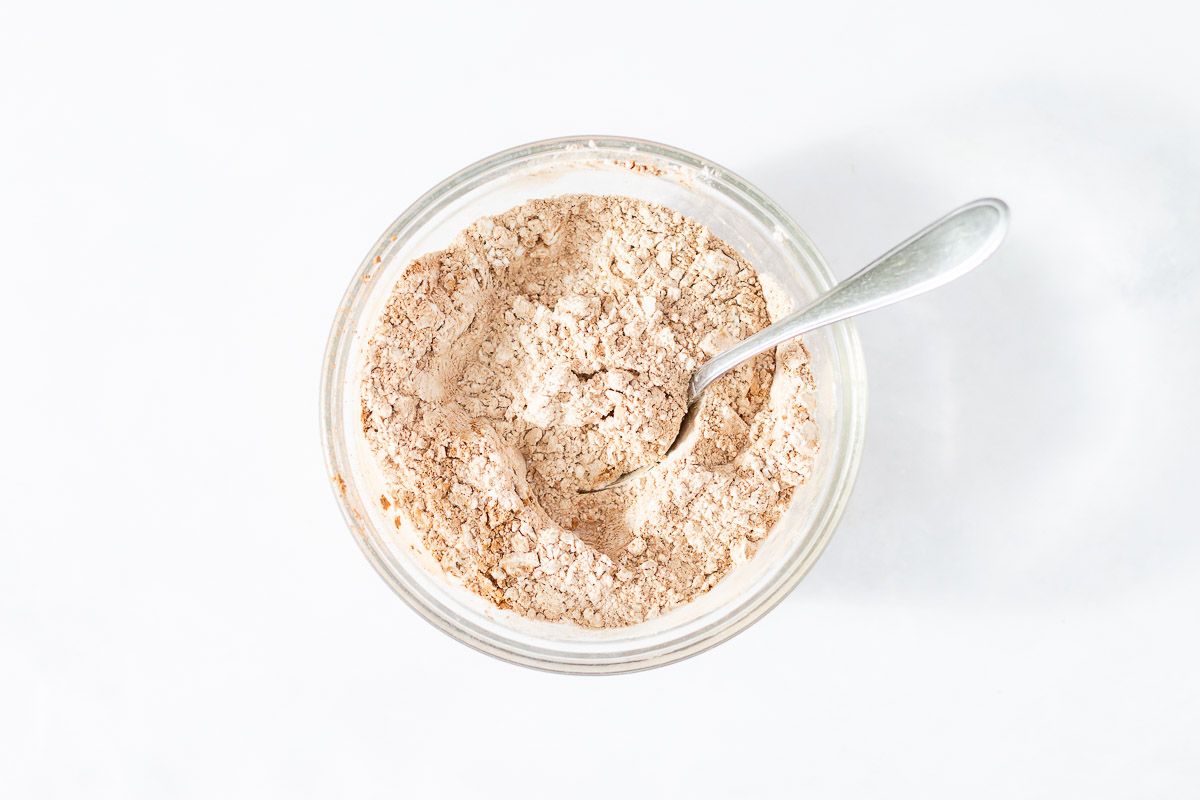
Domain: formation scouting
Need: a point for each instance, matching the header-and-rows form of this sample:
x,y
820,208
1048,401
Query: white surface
x,y
1009,607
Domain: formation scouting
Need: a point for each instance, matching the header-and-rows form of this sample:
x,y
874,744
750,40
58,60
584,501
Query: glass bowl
x,y
736,212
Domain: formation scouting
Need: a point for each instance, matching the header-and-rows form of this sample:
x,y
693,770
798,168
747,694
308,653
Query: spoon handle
x,y
947,249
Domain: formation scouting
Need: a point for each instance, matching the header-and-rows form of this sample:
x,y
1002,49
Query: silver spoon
x,y
947,249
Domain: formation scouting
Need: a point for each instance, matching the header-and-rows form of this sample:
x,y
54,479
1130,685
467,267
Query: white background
x,y
1009,607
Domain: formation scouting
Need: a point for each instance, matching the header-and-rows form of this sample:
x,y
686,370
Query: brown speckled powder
x,y
547,350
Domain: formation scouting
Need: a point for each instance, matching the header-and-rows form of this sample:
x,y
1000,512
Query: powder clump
x,y
548,350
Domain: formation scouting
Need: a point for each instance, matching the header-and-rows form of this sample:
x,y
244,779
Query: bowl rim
x,y
338,464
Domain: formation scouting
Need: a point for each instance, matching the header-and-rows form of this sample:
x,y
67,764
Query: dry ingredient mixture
x,y
547,350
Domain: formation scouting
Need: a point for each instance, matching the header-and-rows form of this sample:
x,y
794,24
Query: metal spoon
x,y
947,249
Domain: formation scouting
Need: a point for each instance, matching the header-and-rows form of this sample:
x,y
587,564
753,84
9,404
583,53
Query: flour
x,y
548,350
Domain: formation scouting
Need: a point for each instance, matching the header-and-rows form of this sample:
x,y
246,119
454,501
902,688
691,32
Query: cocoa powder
x,y
547,350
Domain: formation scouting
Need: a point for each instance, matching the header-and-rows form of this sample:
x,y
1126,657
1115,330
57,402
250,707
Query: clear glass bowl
x,y
735,211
